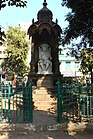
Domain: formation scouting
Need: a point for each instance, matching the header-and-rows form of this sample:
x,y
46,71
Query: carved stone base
x,y
45,81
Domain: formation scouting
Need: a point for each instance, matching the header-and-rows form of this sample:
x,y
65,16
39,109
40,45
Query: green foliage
x,y
17,51
67,80
87,60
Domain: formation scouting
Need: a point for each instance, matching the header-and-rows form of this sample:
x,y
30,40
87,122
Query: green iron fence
x,y
16,103
75,102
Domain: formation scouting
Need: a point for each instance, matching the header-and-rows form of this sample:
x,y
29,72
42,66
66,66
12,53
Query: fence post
x,y
17,91
27,102
24,101
17,86
59,111
1,97
31,105
80,104
9,91
73,99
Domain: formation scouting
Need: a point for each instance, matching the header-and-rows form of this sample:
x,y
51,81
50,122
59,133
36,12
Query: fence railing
x,y
75,102
16,103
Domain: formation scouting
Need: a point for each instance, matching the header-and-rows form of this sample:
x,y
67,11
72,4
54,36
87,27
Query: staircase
x,y
43,100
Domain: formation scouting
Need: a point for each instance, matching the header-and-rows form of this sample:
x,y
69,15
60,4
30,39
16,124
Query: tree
x,y
80,25
4,3
17,51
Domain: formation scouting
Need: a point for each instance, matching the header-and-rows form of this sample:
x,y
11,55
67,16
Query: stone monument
x,y
45,35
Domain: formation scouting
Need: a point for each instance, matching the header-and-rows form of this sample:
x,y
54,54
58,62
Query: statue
x,y
44,63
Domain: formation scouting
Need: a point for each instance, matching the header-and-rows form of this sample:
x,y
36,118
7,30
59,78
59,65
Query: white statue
x,y
44,63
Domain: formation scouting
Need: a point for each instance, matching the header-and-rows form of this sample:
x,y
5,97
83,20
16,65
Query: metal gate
x,y
16,103
75,102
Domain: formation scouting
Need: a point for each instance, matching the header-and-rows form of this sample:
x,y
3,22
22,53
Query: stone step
x,y
46,108
42,103
40,88
40,92
43,95
43,98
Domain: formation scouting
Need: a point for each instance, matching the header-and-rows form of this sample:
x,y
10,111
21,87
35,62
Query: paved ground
x,y
43,118
46,135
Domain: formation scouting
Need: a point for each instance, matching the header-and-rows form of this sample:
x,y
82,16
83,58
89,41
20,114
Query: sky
x,y
12,16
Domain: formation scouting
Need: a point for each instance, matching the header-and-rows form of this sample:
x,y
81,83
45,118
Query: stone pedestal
x,y
45,81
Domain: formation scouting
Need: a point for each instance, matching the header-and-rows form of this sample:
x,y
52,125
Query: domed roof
x,y
45,11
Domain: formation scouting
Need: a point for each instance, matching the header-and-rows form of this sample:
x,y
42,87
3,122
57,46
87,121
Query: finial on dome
x,y
56,21
45,3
